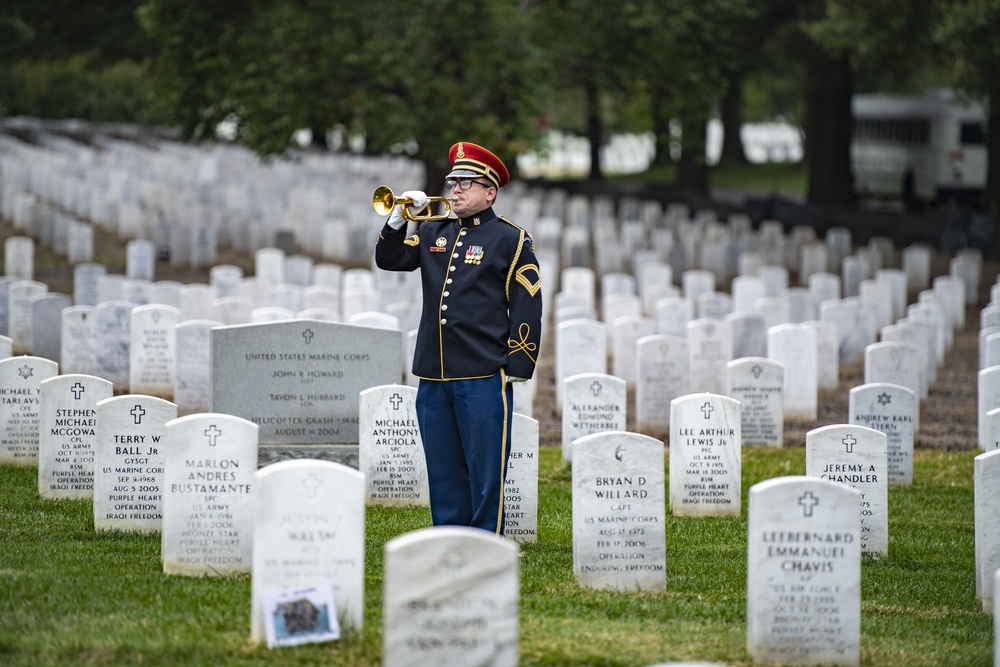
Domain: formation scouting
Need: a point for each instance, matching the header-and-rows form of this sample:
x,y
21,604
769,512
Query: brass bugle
x,y
384,201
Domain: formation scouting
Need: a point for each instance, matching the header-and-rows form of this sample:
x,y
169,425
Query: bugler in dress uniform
x,y
480,325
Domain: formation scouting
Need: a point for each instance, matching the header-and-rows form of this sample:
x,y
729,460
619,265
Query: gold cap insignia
x,y
461,150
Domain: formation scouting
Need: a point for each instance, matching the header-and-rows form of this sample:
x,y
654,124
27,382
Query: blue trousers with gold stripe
x,y
465,426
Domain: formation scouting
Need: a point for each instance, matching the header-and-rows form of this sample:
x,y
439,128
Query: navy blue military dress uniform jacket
x,y
482,302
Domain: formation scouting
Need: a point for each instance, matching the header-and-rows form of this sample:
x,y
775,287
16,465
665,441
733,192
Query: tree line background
x,y
414,76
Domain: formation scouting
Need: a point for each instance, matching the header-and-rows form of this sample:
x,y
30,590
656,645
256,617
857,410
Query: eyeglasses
x,y
464,184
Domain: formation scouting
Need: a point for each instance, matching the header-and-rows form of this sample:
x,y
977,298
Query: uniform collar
x,y
480,218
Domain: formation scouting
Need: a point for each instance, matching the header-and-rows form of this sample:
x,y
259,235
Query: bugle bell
x,y
384,201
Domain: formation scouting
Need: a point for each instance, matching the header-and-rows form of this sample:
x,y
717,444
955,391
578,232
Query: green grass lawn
x,y
70,596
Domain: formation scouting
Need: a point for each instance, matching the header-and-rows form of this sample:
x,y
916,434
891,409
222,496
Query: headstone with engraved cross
x,y
209,472
153,350
128,462
309,529
390,451
68,435
299,380
20,407
591,403
451,598
662,372
705,455
858,457
759,385
803,573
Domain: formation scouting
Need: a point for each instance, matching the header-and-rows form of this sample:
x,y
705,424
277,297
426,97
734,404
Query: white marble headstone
x,y
705,455
153,350
68,435
193,376
113,341
662,376
128,462
309,528
892,409
710,348
209,469
450,598
20,399
591,403
856,456
390,451
759,385
795,347
986,483
803,572
619,534
520,490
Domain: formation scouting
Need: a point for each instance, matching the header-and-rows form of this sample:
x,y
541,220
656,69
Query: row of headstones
x,y
293,283
762,289
185,197
54,421
205,473
988,386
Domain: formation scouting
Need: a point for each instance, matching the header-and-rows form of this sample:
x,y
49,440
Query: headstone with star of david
x,y
450,598
68,434
153,350
208,490
619,534
128,462
803,572
795,347
390,450
78,342
892,409
299,380
111,356
309,529
661,376
710,348
705,455
20,407
858,457
758,384
591,403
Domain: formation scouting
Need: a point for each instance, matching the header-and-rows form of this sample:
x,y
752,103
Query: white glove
x,y
418,197
396,219
511,378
